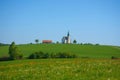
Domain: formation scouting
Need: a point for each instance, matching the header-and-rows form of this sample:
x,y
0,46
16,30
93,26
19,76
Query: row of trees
x,y
74,42
15,53
37,41
2,44
42,55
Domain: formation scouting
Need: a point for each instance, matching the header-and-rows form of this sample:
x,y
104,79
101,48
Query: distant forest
x,y
2,44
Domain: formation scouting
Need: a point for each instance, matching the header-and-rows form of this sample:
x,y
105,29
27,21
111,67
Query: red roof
x,y
47,41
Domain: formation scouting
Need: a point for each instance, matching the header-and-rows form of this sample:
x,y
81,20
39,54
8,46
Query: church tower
x,y
68,38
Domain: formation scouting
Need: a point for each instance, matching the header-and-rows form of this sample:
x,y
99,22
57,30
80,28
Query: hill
x,y
91,51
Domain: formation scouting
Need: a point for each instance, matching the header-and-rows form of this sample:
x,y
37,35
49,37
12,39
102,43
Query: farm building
x,y
47,41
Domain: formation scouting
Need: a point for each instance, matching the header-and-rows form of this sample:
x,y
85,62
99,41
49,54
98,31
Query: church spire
x,y
68,38
68,34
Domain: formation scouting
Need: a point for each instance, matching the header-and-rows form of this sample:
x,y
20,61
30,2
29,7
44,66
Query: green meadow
x,y
60,69
93,63
90,51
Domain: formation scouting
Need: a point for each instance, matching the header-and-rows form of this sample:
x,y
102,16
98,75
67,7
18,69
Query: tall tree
x,y
14,52
74,41
57,42
36,41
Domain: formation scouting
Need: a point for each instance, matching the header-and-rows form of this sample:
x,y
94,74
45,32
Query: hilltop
x,y
90,51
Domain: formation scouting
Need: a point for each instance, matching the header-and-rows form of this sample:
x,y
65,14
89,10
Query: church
x,y
66,39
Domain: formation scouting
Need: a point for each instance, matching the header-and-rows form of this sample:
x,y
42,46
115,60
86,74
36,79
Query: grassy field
x,y
60,69
91,51
97,67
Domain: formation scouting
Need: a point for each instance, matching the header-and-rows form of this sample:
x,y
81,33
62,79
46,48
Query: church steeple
x,y
66,39
68,34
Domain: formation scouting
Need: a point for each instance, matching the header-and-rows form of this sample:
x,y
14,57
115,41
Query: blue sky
x,y
89,21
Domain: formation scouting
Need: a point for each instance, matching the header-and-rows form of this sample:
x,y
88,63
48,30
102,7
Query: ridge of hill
x,y
90,51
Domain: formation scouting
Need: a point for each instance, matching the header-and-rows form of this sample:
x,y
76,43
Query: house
x,y
47,41
66,39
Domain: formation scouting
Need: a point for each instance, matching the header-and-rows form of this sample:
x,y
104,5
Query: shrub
x,y
38,55
97,44
20,56
63,55
113,57
4,58
42,55
32,56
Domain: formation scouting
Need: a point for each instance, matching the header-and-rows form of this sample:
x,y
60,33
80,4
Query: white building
x,y
66,39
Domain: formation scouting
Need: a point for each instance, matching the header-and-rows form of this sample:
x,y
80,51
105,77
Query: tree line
x,y
15,53
37,41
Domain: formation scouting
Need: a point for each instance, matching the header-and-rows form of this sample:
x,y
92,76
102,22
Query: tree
x,y
57,42
14,52
74,41
36,41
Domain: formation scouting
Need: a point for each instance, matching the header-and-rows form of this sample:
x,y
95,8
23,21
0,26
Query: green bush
x,y
65,55
113,57
4,58
42,55
38,55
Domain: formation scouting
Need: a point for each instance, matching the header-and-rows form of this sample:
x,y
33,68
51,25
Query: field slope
x,y
91,51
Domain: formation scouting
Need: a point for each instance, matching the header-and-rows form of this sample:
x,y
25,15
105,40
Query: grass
x,y
91,51
97,67
60,69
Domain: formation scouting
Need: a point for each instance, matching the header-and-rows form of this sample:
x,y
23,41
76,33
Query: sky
x,y
88,21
